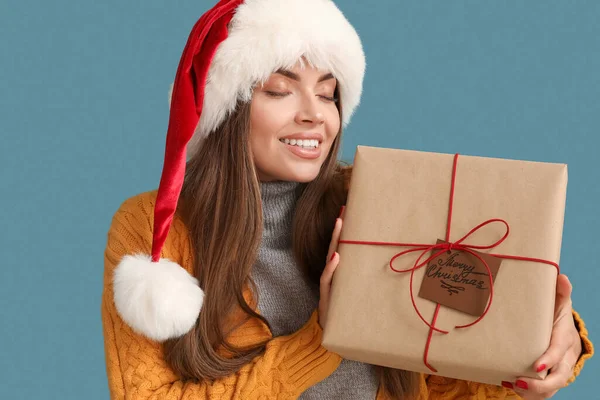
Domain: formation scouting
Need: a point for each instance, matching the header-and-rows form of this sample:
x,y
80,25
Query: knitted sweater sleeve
x,y
135,365
440,388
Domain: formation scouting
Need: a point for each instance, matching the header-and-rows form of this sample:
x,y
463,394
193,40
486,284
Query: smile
x,y
307,149
305,144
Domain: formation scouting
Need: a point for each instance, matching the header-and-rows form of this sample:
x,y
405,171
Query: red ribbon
x,y
425,248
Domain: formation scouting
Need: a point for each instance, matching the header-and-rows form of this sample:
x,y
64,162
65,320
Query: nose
x,y
309,111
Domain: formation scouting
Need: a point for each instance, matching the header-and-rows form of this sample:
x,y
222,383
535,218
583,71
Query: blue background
x,y
84,111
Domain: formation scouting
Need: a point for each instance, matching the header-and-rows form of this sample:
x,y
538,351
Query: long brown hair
x,y
220,205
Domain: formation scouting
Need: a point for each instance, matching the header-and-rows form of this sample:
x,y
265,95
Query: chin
x,y
304,178
296,173
302,175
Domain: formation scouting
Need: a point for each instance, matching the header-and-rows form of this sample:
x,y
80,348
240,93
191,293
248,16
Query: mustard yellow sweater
x,y
136,369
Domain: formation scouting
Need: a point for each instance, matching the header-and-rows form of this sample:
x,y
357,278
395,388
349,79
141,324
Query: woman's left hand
x,y
561,356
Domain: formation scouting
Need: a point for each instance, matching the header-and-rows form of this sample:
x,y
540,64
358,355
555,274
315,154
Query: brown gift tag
x,y
459,280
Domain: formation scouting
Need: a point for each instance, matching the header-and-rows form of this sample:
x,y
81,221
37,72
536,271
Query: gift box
x,y
401,204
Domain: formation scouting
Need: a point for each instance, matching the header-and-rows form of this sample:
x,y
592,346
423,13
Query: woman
x,y
230,301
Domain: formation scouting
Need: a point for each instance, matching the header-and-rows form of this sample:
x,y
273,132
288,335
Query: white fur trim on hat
x,y
158,300
265,35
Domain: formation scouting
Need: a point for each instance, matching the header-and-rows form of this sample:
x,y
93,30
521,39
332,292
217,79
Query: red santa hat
x,y
231,48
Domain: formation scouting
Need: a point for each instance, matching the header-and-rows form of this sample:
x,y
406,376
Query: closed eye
x,y
334,99
275,94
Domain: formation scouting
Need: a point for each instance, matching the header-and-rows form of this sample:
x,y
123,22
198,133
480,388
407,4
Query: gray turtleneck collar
x,y
279,202
286,298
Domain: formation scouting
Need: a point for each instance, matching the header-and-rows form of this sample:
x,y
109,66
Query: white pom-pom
x,y
158,300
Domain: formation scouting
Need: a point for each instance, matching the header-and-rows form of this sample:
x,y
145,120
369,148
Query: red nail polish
x,y
541,368
507,384
522,384
341,211
332,256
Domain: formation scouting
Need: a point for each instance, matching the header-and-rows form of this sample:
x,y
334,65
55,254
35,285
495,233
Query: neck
x,y
278,206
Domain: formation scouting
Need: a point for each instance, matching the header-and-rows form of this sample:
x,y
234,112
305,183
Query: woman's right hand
x,y
333,259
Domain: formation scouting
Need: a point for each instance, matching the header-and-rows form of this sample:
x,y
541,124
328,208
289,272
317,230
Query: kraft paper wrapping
x,y
403,196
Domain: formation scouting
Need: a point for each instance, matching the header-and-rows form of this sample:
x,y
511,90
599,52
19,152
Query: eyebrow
x,y
295,76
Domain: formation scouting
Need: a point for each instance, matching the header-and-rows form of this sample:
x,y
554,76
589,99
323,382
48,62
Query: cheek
x,y
265,123
333,123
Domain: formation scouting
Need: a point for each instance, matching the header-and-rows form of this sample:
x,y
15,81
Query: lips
x,y
304,153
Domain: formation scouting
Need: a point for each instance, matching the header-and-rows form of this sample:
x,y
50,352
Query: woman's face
x,y
293,122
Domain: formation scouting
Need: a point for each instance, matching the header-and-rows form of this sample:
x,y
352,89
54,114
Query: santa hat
x,y
231,48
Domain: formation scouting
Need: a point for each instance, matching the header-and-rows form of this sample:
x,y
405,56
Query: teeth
x,y
306,143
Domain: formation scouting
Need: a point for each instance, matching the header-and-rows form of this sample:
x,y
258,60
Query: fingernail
x,y
541,368
332,256
522,384
341,211
507,384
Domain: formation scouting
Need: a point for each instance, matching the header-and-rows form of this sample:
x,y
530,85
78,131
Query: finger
x,y
327,276
335,237
556,379
561,339
563,292
560,343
